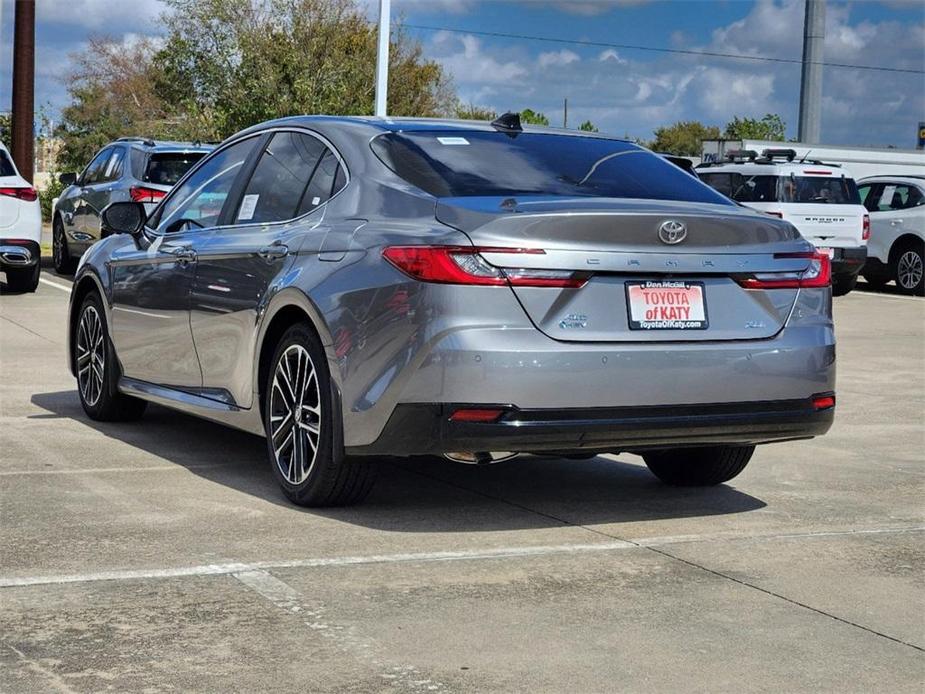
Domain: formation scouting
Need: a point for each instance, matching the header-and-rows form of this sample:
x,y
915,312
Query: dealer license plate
x,y
666,305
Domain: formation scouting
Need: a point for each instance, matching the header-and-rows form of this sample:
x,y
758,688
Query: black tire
x,y
698,467
875,281
843,285
64,263
908,268
311,468
102,401
23,279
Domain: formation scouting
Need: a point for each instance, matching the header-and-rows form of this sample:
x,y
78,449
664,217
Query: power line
x,y
627,47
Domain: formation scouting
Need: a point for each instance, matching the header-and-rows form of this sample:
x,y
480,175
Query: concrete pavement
x,y
159,554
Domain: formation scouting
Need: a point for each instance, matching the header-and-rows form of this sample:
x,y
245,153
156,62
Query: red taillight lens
x,y
25,194
818,274
465,265
823,402
865,233
142,194
477,415
779,215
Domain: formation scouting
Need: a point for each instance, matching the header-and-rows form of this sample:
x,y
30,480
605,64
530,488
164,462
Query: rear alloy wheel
x,y
60,254
23,279
97,368
299,421
909,269
698,467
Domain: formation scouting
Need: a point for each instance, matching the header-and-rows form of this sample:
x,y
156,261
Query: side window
x,y
198,202
721,182
96,167
113,168
915,198
296,173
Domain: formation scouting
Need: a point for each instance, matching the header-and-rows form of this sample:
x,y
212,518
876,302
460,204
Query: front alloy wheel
x,y
91,356
98,369
307,458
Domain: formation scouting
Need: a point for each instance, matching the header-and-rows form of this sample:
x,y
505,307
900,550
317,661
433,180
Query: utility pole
x,y
811,85
24,88
382,60
565,113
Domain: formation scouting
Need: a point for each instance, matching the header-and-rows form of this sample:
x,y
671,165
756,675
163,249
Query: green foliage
x,y
588,126
533,117
51,191
225,65
683,138
6,129
771,127
472,112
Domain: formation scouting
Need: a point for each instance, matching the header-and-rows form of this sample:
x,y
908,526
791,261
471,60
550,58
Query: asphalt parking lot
x,y
160,556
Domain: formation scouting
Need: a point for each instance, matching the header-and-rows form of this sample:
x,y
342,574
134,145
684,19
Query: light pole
x,y
23,149
811,84
382,59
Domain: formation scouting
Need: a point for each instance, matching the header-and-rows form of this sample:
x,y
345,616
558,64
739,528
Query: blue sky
x,y
621,90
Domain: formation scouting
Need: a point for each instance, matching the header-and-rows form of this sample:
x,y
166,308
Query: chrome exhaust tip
x,y
480,457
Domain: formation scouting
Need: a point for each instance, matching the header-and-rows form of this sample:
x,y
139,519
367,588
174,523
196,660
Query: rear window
x,y
792,189
469,164
6,166
167,168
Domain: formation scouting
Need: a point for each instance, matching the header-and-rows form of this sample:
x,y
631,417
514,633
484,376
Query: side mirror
x,y
68,179
123,218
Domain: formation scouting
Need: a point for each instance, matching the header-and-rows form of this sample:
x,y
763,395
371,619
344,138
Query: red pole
x,y
24,88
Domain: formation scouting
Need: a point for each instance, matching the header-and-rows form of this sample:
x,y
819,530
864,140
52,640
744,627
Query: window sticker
x,y
452,141
316,201
248,205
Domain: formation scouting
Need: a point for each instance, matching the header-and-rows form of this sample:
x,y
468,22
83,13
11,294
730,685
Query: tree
x,y
472,112
684,138
6,129
771,127
588,126
533,117
224,65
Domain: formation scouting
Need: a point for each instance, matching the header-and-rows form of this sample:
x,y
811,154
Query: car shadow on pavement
x,y
423,494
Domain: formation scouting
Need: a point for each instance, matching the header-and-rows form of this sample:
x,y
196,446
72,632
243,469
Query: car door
x,y
98,193
75,210
152,279
279,209
888,218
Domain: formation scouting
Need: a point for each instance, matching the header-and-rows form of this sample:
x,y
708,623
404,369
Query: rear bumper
x,y
19,254
847,262
427,429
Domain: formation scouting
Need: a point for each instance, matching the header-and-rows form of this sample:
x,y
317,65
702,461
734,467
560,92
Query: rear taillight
x,y
818,274
480,415
465,265
142,194
823,402
779,215
28,194
865,230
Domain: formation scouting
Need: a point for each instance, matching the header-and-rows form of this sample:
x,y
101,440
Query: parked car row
x,y
874,227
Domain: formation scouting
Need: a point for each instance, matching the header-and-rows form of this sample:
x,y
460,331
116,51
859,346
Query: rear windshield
x,y
6,166
467,164
168,168
793,189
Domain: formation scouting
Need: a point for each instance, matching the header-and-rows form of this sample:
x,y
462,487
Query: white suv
x,y
897,238
821,200
20,227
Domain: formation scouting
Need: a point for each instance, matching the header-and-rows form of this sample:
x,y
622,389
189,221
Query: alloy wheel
x,y
91,356
295,414
57,246
909,270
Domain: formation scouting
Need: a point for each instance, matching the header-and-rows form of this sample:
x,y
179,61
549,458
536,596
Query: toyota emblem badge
x,y
672,231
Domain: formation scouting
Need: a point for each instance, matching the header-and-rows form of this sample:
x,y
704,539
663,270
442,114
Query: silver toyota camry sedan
x,y
354,288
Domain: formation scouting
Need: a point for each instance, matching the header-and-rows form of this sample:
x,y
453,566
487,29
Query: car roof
x,y
164,146
882,178
777,168
378,124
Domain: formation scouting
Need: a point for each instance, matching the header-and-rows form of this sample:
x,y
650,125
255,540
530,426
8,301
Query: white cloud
x,y
464,57
107,16
563,57
611,55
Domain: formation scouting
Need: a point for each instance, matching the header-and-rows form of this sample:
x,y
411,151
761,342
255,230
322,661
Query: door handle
x,y
184,255
274,252
895,222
